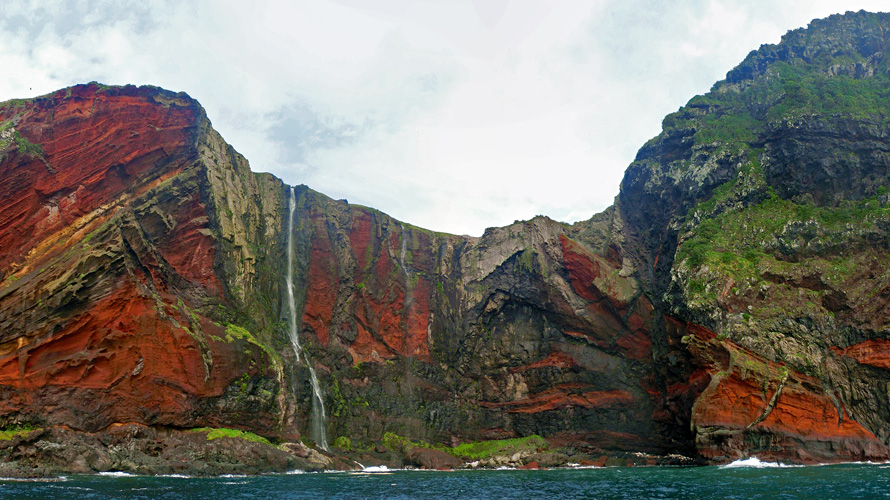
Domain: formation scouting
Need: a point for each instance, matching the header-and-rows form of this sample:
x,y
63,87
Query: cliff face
x,y
143,281
769,246
114,304
734,301
525,330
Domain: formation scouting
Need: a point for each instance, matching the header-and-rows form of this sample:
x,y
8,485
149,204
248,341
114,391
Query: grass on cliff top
x,y
477,450
222,432
733,116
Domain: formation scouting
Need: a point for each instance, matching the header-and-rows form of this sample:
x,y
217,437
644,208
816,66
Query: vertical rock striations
x,y
733,302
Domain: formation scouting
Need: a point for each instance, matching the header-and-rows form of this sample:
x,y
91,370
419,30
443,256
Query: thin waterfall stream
x,y
318,423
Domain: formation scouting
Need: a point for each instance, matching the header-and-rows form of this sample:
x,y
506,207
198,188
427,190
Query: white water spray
x,y
318,426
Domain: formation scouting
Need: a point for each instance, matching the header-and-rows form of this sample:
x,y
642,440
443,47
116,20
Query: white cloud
x,y
448,115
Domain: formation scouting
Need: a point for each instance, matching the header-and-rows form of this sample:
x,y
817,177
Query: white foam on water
x,y
377,468
880,465
754,463
116,473
59,479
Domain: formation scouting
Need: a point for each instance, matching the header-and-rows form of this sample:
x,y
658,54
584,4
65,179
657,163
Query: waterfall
x,y
318,425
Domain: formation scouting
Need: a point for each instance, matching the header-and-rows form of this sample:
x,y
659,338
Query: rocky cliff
x,y
733,301
762,211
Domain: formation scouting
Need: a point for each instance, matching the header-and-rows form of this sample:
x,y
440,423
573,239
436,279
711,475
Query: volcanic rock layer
x,y
733,301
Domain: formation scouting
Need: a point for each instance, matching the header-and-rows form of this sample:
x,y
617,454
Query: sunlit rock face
x,y
110,267
733,302
142,282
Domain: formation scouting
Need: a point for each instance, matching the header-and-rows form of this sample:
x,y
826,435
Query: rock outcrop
x,y
118,287
770,241
733,301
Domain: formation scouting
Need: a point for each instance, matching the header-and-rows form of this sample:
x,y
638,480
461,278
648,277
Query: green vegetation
x,y
727,128
234,332
342,442
526,260
481,450
339,405
477,450
14,431
4,138
732,116
742,244
9,134
14,104
743,228
27,147
221,432
733,235
736,240
394,441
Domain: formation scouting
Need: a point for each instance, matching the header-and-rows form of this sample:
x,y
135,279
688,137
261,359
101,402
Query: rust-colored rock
x,y
874,352
143,282
110,298
753,406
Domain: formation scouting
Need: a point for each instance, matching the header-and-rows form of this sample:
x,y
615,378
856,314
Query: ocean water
x,y
743,480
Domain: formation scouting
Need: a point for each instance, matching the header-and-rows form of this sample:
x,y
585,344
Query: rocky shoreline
x,y
142,450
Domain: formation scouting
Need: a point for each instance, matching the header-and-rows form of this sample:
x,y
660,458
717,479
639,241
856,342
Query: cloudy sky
x,y
448,114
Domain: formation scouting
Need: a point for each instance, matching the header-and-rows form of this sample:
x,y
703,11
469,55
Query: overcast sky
x,y
451,115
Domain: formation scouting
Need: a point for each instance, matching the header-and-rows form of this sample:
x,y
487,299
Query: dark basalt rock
x,y
137,449
734,300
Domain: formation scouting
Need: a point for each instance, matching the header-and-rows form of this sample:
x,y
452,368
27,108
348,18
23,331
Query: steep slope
x,y
143,281
772,189
526,330
733,302
114,304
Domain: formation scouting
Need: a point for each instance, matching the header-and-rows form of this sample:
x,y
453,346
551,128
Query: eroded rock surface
x,y
733,302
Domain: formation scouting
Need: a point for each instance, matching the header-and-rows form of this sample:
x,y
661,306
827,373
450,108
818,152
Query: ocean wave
x,y
59,479
116,473
377,469
754,463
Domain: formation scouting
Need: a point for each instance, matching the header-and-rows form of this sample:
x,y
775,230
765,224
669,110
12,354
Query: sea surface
x,y
744,480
